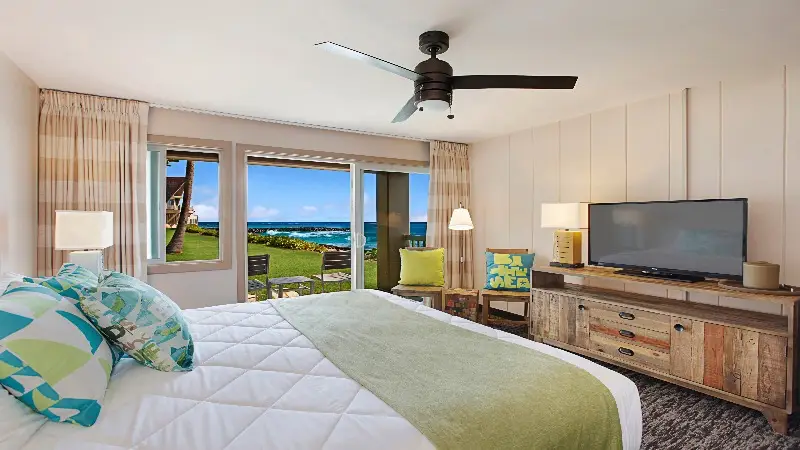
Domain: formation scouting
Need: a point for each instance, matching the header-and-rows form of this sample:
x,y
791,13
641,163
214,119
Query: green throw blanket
x,y
461,389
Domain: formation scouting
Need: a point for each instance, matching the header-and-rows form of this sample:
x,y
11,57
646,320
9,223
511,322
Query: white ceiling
x,y
257,57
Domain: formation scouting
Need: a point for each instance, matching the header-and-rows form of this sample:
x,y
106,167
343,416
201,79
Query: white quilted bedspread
x,y
261,384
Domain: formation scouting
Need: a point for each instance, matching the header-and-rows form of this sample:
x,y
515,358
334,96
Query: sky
x,y
283,194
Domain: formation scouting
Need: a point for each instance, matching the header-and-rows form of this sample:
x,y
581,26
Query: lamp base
x,y
566,265
89,259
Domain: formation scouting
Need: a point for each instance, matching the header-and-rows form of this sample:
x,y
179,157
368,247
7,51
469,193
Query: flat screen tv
x,y
691,239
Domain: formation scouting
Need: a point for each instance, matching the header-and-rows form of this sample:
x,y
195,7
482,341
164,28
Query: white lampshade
x,y
84,230
565,215
460,220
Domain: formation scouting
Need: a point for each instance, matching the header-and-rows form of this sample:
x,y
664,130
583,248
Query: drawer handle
x,y
627,334
626,316
625,351
678,327
581,307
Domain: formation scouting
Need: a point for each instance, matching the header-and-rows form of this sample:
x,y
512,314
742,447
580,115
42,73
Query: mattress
x,y
259,383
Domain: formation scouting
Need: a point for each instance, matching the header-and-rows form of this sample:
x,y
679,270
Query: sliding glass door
x,y
389,209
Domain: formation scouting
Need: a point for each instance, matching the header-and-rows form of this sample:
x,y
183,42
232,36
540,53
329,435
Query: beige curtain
x,y
449,187
92,153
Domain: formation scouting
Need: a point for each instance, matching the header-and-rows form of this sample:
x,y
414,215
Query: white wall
x,y
19,125
198,289
737,138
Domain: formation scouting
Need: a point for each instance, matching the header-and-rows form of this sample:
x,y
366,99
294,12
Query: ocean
x,y
335,233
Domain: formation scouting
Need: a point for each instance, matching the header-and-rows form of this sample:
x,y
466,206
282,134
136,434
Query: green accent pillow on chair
x,y
422,267
51,357
508,272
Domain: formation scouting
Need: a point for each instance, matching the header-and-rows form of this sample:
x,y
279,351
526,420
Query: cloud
x,y
420,218
260,212
206,213
310,209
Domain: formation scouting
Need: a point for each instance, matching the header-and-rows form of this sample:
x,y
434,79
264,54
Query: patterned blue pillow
x,y
508,272
141,321
72,281
51,357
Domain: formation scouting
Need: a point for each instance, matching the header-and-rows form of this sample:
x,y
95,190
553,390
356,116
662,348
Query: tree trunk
x,y
176,243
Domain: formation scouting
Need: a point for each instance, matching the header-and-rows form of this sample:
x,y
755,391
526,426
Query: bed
x,y
260,383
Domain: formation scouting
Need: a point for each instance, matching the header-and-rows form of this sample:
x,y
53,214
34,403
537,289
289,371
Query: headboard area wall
x,y
19,123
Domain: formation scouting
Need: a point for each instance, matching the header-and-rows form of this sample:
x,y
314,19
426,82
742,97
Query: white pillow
x,y
18,423
7,278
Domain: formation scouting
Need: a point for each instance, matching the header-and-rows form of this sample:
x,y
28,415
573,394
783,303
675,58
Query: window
x,y
183,208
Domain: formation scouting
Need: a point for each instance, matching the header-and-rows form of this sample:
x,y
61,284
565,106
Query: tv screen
x,y
702,237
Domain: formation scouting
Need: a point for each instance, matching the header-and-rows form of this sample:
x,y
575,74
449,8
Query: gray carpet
x,y
678,418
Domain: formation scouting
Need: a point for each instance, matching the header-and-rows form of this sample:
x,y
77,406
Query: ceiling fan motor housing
x,y
435,81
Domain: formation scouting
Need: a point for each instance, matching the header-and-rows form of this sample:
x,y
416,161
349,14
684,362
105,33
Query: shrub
x,y
286,242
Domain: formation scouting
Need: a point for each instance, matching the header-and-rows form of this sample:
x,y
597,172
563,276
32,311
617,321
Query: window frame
x,y
225,181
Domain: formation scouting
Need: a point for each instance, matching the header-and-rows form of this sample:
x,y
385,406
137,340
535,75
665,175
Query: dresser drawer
x,y
630,352
629,316
629,334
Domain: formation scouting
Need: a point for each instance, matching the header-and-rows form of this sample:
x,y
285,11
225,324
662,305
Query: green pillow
x,y
422,267
508,272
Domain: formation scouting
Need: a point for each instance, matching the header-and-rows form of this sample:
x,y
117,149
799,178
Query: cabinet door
x,y
687,349
560,317
734,360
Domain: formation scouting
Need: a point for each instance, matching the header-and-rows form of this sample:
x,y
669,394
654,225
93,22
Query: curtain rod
x,y
284,122
93,95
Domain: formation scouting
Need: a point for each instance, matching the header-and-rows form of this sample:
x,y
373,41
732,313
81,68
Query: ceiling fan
x,y
434,81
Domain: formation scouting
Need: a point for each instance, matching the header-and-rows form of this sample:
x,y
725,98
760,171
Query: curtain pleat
x,y
91,158
449,188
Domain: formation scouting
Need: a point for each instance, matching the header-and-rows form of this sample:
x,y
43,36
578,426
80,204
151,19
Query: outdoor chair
x,y
332,261
257,265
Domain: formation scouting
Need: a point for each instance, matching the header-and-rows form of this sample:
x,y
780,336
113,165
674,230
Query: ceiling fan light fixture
x,y
434,105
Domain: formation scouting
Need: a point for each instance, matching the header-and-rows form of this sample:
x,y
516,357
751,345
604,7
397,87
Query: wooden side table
x,y
432,292
488,296
462,303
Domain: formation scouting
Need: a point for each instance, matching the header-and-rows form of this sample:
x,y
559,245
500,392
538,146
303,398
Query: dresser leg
x,y
778,420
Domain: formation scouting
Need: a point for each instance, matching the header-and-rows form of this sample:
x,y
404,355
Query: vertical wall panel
x,y
753,164
648,150
521,190
574,170
608,166
752,158
648,160
677,146
520,210
545,185
791,266
705,141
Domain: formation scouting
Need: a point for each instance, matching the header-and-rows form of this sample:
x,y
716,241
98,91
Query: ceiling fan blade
x,y
371,60
408,109
512,82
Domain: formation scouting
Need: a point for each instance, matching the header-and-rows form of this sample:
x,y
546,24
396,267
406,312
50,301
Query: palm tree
x,y
176,243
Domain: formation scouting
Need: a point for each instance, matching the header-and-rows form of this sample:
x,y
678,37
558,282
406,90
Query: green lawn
x,y
282,262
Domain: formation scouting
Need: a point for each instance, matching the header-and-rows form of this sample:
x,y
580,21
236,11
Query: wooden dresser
x,y
741,356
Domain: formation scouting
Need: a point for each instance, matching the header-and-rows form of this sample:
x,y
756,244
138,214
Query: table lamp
x,y
569,218
86,233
